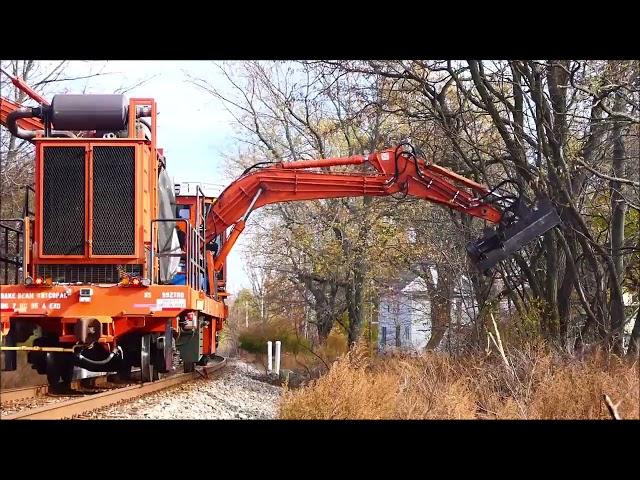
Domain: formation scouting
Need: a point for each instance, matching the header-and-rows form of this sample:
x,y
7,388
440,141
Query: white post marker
x,y
278,343
269,357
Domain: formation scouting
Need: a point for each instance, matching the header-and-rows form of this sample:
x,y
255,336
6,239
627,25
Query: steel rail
x,y
23,393
70,408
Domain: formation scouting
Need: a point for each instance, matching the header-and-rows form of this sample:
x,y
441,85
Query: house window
x,y
384,336
398,339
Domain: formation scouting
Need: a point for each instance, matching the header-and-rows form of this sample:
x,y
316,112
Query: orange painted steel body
x,y
135,306
120,309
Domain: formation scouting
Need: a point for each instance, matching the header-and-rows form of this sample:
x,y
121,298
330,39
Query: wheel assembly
x,y
59,366
38,360
163,350
10,357
189,366
55,365
147,371
124,372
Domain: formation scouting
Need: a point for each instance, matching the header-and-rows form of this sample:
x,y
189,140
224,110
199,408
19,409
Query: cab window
x,y
182,211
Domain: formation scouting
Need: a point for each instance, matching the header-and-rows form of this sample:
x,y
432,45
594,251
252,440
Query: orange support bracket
x,y
235,233
210,272
228,245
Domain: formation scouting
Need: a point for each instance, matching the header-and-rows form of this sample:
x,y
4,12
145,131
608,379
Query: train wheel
x,y
124,372
189,367
38,360
59,367
53,370
10,357
163,351
66,368
147,372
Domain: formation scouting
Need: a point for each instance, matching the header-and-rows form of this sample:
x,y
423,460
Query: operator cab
x,y
193,206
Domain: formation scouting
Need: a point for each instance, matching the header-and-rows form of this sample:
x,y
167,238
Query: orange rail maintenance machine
x,y
100,268
115,269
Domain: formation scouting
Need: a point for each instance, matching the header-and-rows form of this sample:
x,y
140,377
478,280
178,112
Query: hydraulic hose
x,y
117,351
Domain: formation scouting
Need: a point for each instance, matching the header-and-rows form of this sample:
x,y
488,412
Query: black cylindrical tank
x,y
89,112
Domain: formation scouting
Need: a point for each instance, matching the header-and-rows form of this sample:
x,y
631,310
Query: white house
x,y
404,314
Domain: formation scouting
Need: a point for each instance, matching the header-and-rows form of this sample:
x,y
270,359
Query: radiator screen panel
x,y
63,201
113,200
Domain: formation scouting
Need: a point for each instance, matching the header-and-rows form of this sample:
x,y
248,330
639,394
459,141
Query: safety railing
x,y
14,247
153,276
200,235
11,250
194,261
29,193
194,250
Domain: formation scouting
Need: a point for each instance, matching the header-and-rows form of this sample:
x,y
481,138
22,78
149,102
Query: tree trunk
x,y
440,298
634,343
550,320
618,209
354,293
354,296
564,304
324,324
324,293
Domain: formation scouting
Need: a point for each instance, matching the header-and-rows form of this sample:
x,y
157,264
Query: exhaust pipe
x,y
16,131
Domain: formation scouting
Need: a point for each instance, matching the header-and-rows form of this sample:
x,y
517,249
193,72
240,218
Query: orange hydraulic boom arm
x,y
22,86
396,171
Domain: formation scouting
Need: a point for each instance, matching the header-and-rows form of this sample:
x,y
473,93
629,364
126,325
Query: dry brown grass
x,y
530,383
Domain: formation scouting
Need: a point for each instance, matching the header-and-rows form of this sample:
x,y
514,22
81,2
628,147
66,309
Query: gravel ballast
x,y
236,393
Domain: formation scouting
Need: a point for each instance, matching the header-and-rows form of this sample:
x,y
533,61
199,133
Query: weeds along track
x,y
41,406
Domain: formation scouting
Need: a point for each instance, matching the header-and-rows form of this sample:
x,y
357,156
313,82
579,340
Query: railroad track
x,y
69,408
34,391
15,394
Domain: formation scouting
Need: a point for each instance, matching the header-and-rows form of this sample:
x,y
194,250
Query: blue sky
x,y
193,127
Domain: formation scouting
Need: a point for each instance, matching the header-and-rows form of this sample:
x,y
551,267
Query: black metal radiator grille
x,y
63,201
87,273
113,201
